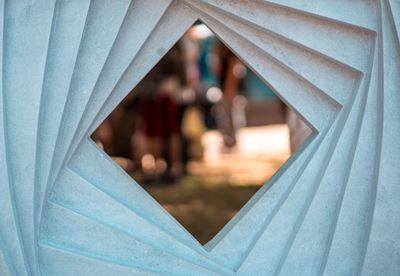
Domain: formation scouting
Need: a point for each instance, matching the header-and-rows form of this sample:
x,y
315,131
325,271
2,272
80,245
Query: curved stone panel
x,y
67,209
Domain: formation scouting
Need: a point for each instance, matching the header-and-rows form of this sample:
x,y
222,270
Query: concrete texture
x,y
67,209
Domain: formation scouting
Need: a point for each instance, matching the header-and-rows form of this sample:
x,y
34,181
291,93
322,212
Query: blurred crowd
x,y
198,85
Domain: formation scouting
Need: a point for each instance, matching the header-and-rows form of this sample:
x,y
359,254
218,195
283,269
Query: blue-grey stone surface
x,y
67,209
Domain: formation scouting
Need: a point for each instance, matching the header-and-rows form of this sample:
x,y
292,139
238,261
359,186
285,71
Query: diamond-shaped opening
x,y
201,133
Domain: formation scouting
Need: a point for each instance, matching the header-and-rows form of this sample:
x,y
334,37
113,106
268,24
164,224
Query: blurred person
x,y
230,77
103,136
192,117
299,130
193,128
106,137
159,118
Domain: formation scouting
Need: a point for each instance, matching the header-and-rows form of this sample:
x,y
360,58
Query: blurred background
x,y
201,133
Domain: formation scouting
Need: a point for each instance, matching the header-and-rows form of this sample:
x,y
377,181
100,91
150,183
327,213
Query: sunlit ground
x,y
217,187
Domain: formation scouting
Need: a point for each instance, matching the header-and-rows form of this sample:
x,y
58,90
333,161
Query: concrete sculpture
x,y
67,209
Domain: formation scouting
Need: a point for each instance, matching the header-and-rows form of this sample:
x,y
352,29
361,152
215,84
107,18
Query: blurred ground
x,y
217,187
